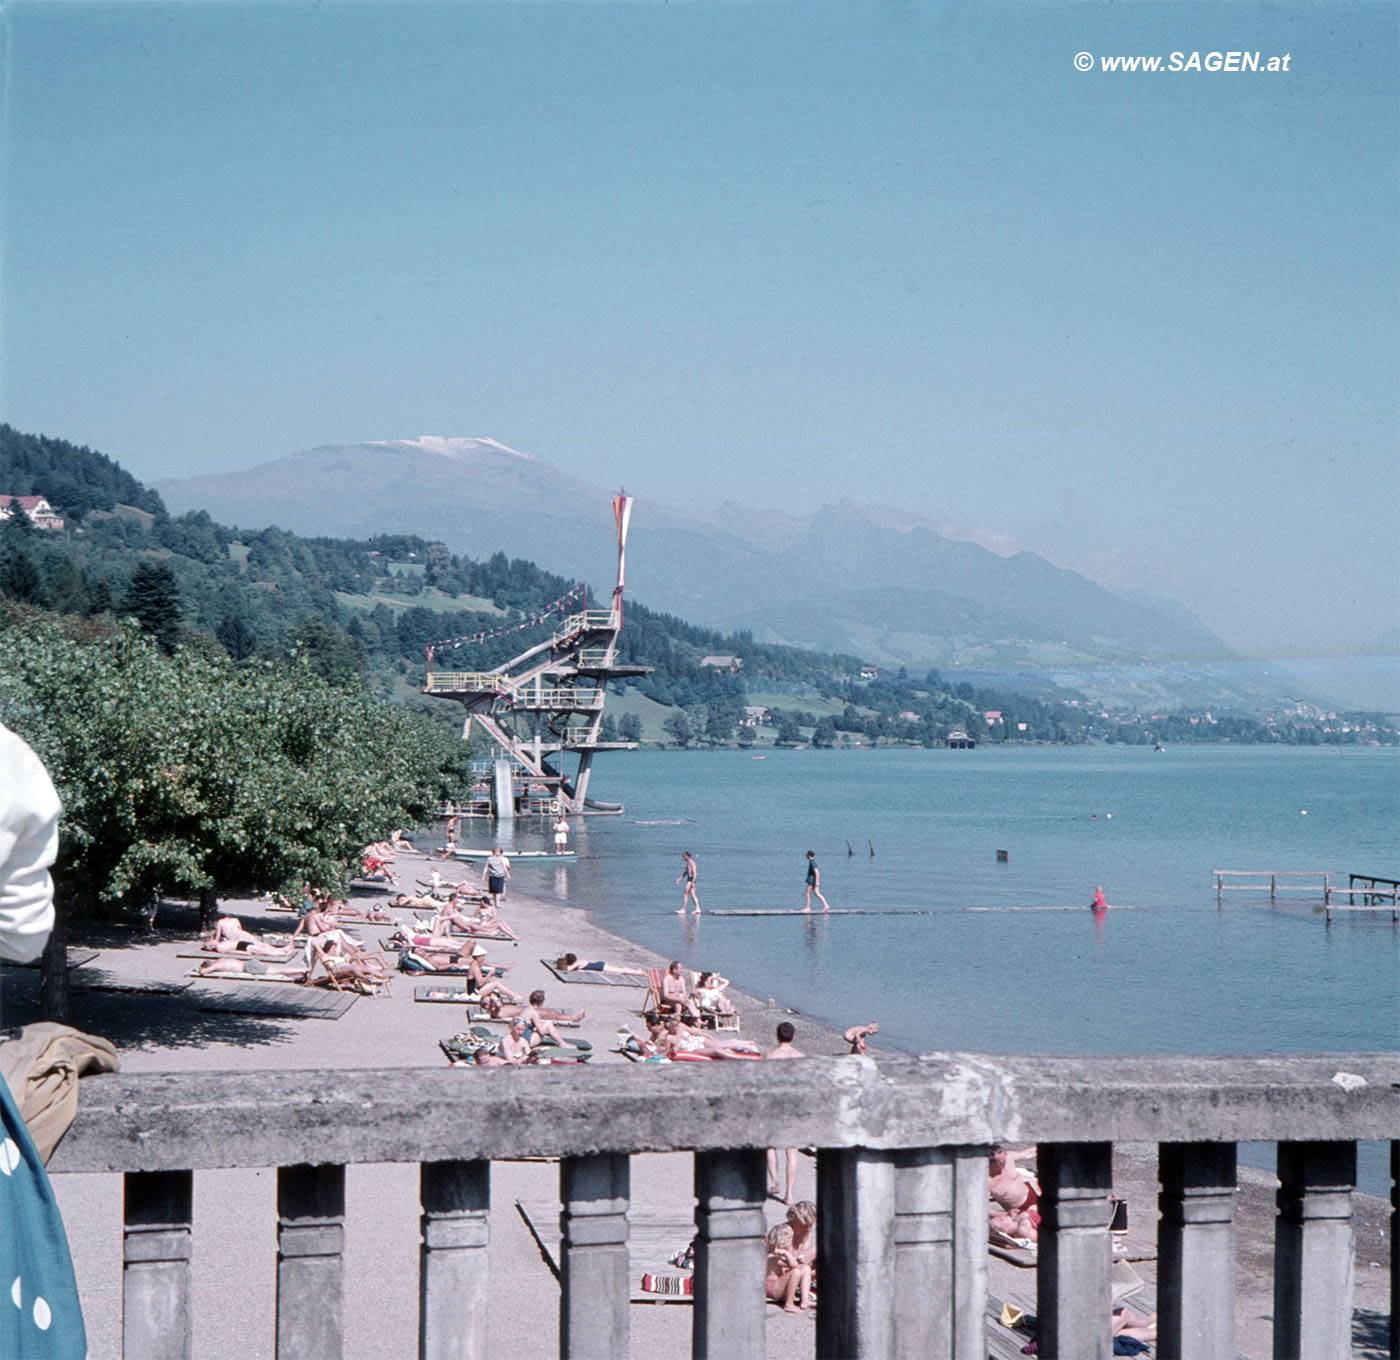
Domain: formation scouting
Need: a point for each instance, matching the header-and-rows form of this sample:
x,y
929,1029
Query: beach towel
x,y
668,1284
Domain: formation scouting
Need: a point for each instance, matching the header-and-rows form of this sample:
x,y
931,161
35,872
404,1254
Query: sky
x,y
910,254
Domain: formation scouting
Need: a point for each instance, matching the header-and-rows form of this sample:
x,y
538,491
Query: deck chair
x,y
713,1019
342,975
651,1004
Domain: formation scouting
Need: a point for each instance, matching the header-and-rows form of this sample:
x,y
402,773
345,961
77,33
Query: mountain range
x,y
872,581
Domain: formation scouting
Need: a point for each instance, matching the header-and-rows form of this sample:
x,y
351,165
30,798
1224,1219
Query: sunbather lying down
x,y
435,953
230,937
498,1009
374,913
571,963
241,965
486,924
679,1041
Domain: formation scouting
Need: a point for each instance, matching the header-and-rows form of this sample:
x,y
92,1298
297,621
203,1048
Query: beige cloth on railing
x,y
42,1066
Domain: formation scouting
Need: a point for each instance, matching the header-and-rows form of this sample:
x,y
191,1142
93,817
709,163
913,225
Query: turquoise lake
x,y
994,966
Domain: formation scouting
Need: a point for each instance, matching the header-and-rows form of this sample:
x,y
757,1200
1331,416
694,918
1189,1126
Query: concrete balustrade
x,y
902,1190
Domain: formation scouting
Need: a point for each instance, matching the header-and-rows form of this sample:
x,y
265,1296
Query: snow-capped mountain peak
x,y
450,446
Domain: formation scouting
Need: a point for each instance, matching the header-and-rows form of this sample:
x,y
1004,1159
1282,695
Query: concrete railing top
x,y
185,1120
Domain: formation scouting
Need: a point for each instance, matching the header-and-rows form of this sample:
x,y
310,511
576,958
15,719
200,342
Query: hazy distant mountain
x,y
1366,677
869,580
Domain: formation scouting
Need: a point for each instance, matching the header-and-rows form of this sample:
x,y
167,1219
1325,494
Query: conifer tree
x,y
153,600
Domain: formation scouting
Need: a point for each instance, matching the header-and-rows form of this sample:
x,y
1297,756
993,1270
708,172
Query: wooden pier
x,y
1376,893
1275,882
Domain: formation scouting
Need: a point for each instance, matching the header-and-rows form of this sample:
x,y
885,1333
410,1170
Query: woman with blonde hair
x,y
787,1277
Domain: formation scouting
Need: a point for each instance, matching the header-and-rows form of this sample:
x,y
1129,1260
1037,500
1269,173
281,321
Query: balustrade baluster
x,y
855,1254
310,1269
1196,1251
156,1321
1314,1251
730,1255
596,1293
1074,1262
969,1251
452,1269
924,1268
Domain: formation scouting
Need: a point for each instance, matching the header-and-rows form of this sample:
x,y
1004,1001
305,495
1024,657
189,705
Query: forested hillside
x,y
368,607
365,612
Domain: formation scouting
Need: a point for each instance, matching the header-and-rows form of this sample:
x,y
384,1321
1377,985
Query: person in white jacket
x,y
44,1318
29,810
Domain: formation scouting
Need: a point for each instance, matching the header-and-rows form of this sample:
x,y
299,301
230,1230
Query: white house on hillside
x,y
41,514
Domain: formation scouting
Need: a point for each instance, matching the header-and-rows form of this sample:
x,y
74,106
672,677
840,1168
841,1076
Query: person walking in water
x,y
688,876
814,881
495,872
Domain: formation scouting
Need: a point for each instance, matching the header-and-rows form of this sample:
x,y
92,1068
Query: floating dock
x,y
889,911
533,856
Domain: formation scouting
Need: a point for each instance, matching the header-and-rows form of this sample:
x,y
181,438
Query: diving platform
x,y
547,704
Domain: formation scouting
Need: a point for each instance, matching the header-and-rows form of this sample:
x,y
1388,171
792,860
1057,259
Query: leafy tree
x,y
153,600
719,724
327,651
677,727
629,727
824,734
183,774
747,737
439,568
789,733
193,535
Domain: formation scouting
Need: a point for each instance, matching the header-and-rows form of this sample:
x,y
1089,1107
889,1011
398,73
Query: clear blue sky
x,y
784,253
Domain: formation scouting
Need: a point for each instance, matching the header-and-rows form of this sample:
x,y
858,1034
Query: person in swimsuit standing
x,y
814,880
495,872
688,876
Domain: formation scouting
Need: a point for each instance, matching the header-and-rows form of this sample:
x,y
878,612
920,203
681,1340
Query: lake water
x,y
994,966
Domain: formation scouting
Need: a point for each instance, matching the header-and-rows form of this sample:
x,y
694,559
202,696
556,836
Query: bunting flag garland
x,y
565,602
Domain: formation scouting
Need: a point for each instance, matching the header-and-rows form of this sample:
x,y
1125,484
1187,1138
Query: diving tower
x,y
544,708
